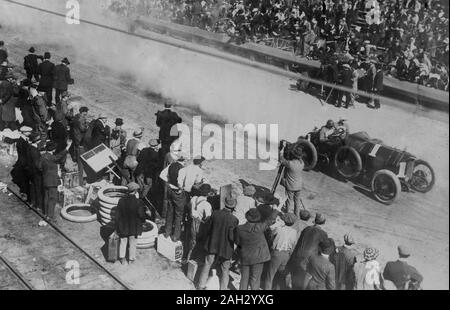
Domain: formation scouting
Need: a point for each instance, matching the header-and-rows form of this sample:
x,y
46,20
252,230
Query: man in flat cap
x,y
320,268
344,261
78,128
45,70
284,241
61,79
30,64
130,217
403,275
101,132
149,165
50,179
219,243
307,245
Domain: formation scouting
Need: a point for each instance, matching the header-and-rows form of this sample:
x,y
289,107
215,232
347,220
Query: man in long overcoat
x,y
45,71
61,79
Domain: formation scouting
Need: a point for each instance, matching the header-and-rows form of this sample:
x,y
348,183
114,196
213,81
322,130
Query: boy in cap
x,y
30,64
45,71
219,243
200,211
284,241
343,261
50,179
129,219
403,275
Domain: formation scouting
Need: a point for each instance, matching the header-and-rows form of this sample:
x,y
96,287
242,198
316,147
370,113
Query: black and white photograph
x,y
214,146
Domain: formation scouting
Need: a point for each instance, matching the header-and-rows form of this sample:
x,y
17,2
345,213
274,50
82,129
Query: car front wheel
x,y
422,179
386,186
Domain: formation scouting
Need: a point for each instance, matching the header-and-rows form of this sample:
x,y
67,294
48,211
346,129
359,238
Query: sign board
x,y
225,191
99,158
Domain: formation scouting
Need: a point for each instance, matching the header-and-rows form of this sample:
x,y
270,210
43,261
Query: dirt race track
x,y
419,221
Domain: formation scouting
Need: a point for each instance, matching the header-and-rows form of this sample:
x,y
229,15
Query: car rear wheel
x,y
347,161
310,153
386,186
423,178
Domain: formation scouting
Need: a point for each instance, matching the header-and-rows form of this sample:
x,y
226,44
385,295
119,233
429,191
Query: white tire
x,y
65,213
112,194
106,205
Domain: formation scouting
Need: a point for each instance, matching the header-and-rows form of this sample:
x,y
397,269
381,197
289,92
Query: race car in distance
x,y
384,170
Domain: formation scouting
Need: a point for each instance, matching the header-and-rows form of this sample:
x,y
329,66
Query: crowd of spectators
x,y
409,37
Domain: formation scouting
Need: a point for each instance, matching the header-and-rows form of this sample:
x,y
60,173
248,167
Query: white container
x,y
169,249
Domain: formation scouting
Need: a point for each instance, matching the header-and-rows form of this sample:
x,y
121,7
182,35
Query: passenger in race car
x,y
327,131
330,137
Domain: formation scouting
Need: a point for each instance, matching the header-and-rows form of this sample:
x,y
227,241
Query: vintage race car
x,y
384,170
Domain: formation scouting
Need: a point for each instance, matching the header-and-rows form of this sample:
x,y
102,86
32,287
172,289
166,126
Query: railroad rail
x,y
46,258
10,278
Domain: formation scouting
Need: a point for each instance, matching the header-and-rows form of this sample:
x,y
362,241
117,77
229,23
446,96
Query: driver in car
x,y
327,131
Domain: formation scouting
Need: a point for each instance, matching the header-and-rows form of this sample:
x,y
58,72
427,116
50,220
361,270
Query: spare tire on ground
x,y
77,218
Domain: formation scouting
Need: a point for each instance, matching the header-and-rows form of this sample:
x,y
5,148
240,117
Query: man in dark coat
x,y
332,75
253,248
50,179
61,79
34,160
148,166
30,64
8,93
3,52
40,112
20,173
378,85
78,127
346,81
343,261
219,243
320,268
307,245
58,133
129,219
165,120
403,275
100,133
45,71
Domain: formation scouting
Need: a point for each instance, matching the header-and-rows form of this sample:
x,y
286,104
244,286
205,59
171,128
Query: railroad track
x,y
45,257
10,278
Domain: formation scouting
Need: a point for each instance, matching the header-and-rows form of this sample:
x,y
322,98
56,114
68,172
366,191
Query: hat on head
x,y
230,202
47,55
32,50
50,146
65,61
133,187
249,190
403,251
198,160
119,122
138,133
167,105
153,143
370,254
289,218
348,239
84,110
25,129
253,215
101,116
305,215
326,247
320,219
204,190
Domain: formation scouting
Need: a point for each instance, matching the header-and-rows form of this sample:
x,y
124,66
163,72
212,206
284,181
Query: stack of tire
x,y
108,198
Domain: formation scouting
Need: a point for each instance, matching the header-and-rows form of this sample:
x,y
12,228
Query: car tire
x,y
385,186
118,191
310,150
347,162
106,206
65,213
429,185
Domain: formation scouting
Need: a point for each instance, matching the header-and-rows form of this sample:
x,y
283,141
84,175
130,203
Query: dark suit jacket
x,y
78,127
252,242
400,273
130,217
46,70
378,83
165,120
308,245
34,160
148,163
49,168
100,134
3,55
30,63
322,273
220,233
346,77
61,77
